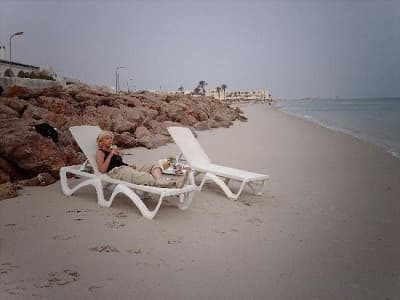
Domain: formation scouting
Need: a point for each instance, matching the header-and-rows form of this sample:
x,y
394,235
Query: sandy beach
x,y
326,226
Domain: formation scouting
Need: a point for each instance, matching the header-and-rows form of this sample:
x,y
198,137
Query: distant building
x,y
13,68
33,77
249,95
214,94
256,95
239,95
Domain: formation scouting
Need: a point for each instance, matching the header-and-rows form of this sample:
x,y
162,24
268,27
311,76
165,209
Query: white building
x,y
14,73
239,95
13,68
249,95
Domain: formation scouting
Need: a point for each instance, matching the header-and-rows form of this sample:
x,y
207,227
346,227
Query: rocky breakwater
x,y
137,119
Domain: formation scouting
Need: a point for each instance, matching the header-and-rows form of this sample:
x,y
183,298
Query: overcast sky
x,y
292,48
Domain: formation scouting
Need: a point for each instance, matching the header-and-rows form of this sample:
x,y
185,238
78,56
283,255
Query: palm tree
x,y
219,92
224,87
202,85
181,89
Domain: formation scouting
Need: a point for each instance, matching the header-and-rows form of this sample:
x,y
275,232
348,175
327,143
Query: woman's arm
x,y
102,164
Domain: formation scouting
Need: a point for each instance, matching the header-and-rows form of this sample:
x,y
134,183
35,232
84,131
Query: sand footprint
x,y
92,288
59,279
79,213
62,237
174,242
104,249
120,214
63,278
7,267
254,220
115,224
134,251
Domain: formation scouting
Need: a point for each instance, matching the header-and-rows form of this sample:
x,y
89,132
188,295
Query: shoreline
x,y
325,227
362,136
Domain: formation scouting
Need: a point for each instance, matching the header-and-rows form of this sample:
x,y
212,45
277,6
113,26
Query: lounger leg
x,y
95,182
205,178
185,200
192,178
220,183
148,214
236,196
69,191
257,188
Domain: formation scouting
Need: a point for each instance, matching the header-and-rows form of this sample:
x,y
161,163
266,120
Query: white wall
x,y
6,82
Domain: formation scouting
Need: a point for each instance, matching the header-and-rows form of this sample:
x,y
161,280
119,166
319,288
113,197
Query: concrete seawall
x,y
6,82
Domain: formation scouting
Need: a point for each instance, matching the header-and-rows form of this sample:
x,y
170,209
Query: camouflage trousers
x,y
141,175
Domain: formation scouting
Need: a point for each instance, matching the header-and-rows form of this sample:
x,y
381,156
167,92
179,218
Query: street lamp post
x,y
117,79
17,33
127,84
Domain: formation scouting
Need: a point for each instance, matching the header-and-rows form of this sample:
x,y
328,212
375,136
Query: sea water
x,y
376,120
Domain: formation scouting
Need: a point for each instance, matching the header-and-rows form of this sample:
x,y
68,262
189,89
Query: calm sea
x,y
376,120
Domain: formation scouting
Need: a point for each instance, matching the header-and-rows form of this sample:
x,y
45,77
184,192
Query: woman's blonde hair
x,y
103,135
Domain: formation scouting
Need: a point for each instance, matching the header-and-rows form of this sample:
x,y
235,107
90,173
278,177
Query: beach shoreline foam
x,y
326,226
361,137
327,113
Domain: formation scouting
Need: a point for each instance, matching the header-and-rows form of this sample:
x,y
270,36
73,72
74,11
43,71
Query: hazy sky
x,y
293,48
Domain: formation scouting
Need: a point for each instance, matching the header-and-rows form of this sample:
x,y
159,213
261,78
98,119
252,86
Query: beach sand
x,y
326,227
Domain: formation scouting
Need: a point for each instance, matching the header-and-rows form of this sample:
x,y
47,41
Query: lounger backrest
x,y
86,136
188,144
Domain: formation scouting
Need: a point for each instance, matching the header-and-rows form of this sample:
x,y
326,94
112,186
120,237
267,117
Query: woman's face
x,y
107,142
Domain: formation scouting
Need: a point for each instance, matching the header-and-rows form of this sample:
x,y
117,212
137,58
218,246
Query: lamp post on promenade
x,y
117,79
127,83
17,33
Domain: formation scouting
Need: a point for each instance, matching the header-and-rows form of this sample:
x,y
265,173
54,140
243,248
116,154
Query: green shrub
x,y
21,74
9,73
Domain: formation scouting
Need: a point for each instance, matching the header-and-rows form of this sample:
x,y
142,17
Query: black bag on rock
x,y
48,131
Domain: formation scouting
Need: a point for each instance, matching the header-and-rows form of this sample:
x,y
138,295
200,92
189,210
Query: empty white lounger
x,y
199,161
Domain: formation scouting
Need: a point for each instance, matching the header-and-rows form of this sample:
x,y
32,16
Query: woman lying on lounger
x,y
109,161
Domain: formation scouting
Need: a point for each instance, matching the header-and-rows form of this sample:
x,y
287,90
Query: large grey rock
x,y
42,179
29,151
141,132
7,191
7,112
153,141
125,140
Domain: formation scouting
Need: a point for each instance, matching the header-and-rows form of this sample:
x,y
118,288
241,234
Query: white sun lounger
x,y
86,136
198,160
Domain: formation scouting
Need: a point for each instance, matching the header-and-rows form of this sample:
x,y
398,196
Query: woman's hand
x,y
115,150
